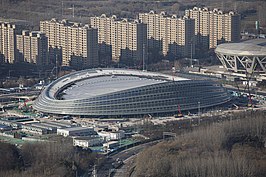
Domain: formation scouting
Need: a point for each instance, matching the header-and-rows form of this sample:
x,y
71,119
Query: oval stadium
x,y
244,57
122,92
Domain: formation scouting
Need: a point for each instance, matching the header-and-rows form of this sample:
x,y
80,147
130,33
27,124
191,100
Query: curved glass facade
x,y
148,99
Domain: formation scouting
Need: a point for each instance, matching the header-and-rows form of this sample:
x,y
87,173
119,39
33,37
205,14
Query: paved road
x,y
125,156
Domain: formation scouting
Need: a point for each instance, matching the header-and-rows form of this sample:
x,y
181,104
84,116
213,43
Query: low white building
x,y
76,131
109,136
250,83
111,145
33,129
87,141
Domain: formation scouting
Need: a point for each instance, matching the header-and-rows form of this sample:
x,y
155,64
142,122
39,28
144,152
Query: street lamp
x,y
199,108
199,113
143,57
191,52
192,40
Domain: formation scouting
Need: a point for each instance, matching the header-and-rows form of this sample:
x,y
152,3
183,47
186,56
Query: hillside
x,y
232,148
36,10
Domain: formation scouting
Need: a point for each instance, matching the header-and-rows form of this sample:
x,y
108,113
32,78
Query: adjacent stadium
x,y
244,57
124,92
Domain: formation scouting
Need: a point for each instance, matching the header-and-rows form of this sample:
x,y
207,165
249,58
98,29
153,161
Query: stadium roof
x,y
88,83
254,47
104,85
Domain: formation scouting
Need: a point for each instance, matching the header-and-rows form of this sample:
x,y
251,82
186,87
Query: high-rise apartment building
x,y
125,40
32,47
169,34
8,31
73,44
103,24
156,28
214,27
129,39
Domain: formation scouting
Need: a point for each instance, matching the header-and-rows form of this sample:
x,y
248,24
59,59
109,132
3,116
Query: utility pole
x,y
56,65
62,9
223,5
73,8
94,173
120,141
143,58
74,168
235,7
199,108
191,52
191,49
199,113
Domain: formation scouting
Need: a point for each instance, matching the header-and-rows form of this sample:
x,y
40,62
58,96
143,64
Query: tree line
x,y
54,158
231,148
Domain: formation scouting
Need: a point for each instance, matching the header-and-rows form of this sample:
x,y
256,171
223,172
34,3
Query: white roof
x,y
88,83
87,137
255,47
104,85
74,128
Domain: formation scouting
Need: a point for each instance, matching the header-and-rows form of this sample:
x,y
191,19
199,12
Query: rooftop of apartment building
x,y
32,33
66,22
215,10
166,15
116,19
128,20
104,16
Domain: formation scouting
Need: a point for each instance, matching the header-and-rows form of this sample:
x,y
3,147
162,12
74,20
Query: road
x,y
125,156
21,93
